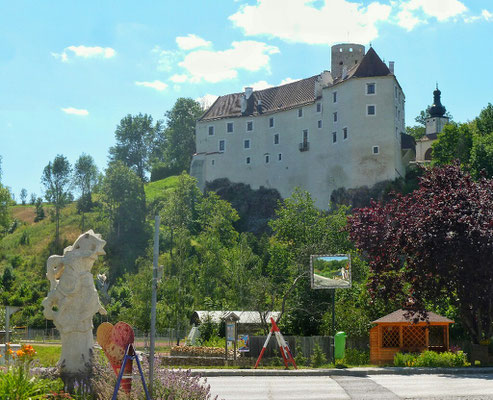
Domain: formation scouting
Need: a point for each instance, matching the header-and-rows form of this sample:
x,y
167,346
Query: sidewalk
x,y
343,372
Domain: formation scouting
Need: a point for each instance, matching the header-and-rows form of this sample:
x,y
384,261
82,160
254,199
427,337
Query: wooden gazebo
x,y
394,332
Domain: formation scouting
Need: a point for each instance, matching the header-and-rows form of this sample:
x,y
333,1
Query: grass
x,y
154,189
47,356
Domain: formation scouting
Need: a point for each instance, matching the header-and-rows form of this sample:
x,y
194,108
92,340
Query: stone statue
x,y
72,302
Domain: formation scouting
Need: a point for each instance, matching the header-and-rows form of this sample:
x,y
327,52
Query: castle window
x,y
247,160
246,144
350,49
335,116
344,133
300,112
334,137
279,157
334,97
211,130
250,126
222,145
276,138
271,122
371,109
395,89
370,88
319,107
229,127
319,124
376,150
212,162
267,159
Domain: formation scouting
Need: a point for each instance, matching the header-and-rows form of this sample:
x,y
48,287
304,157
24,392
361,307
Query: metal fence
x,y
164,337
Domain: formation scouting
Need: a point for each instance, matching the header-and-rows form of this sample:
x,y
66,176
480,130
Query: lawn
x,y
47,355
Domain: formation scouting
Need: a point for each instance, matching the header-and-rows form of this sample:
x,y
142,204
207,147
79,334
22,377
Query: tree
x,y
32,199
23,196
85,178
39,212
434,243
482,155
5,200
56,179
484,122
135,143
123,199
453,143
179,139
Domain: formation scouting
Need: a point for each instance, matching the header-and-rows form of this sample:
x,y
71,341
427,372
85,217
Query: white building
x,y
342,128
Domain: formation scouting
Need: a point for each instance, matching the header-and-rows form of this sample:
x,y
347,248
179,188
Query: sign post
x,y
331,272
231,322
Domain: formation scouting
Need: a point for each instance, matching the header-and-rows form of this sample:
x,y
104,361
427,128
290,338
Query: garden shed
x,y
396,332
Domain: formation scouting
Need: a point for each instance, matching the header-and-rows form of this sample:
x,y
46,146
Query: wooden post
x,y
427,337
401,338
447,338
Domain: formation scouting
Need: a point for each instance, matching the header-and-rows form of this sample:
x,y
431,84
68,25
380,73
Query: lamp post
x,y
157,221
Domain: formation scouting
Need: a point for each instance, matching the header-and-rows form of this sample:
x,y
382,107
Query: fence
x,y
307,344
164,337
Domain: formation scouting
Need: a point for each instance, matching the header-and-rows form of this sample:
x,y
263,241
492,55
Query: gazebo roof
x,y
399,316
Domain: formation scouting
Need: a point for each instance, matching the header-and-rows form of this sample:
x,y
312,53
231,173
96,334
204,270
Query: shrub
x,y
300,359
17,383
318,356
357,357
431,359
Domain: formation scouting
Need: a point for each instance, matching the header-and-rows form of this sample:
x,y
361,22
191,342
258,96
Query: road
x,y
376,387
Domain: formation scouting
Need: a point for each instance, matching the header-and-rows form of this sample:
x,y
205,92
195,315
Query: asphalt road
x,y
376,387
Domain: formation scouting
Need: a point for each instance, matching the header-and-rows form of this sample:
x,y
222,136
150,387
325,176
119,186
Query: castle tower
x,y
344,56
437,120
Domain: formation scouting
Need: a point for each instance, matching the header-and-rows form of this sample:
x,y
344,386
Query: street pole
x,y
153,301
333,325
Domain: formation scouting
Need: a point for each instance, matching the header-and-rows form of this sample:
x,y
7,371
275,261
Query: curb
x,y
358,372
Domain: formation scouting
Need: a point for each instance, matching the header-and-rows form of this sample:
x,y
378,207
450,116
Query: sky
x,y
71,70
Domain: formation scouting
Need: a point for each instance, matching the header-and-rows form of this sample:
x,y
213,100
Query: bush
x,y
318,356
357,357
300,359
431,359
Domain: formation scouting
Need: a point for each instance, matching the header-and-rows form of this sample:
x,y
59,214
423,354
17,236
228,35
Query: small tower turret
x,y
345,56
437,120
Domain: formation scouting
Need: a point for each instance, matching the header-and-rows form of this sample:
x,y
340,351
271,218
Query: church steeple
x,y
437,109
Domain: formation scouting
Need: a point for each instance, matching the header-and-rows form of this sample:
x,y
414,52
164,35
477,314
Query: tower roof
x,y
437,109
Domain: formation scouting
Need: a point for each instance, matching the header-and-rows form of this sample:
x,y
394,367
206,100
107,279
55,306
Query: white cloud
x,y
414,12
85,52
207,100
178,78
75,111
167,59
260,85
157,85
191,41
215,66
300,21
485,14
288,80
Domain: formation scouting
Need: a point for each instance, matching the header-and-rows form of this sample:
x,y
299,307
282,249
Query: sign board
x,y
230,331
330,271
243,343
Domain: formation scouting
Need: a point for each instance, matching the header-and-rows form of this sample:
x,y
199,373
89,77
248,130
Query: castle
x,y
343,128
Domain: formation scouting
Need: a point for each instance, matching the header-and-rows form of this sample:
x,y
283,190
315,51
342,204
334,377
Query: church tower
x,y
437,120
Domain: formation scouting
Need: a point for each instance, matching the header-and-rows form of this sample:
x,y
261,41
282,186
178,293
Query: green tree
x,y
23,196
482,155
56,179
179,144
85,178
123,199
5,201
39,212
484,122
454,142
136,138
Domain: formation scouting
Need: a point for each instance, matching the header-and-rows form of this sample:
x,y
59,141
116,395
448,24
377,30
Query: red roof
x,y
400,316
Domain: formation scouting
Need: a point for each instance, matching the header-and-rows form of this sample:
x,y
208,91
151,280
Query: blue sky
x,y
70,70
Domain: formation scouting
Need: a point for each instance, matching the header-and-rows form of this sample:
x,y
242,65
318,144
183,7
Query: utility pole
x,y
157,221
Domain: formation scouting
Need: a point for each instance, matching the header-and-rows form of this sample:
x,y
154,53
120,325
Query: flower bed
x,y
431,359
200,351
